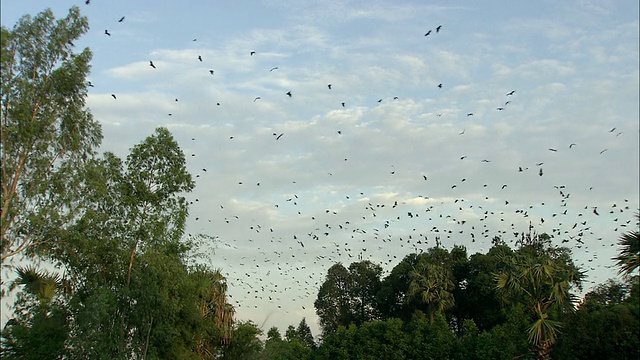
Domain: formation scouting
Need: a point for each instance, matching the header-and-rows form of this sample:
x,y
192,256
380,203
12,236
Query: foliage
x,y
628,258
348,295
432,285
245,343
47,134
540,277
41,324
606,326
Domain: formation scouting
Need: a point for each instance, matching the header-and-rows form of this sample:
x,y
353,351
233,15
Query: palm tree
x,y
542,283
40,283
432,285
628,258
213,306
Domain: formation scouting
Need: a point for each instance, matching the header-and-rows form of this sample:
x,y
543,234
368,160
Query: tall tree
x,y
128,257
333,305
364,286
47,134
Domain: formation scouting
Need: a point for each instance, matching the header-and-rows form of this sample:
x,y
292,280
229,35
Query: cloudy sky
x,y
511,114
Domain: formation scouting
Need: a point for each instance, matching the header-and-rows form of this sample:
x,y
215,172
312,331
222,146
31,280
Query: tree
x,y
610,312
363,290
432,285
303,332
475,291
134,294
332,304
47,134
245,343
274,334
214,308
541,278
628,258
348,295
40,326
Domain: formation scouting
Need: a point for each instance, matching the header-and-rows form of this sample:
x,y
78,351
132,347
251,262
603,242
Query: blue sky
x,y
573,66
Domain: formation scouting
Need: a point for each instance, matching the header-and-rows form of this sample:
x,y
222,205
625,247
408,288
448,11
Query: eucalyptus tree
x,y
46,134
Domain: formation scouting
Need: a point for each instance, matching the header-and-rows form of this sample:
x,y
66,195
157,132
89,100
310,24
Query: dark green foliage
x,y
606,326
349,296
245,344
41,325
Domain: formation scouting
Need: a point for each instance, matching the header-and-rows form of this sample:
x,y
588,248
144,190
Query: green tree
x,y
213,307
245,344
40,326
475,293
333,304
628,258
348,295
433,286
135,296
47,134
541,278
606,325
303,332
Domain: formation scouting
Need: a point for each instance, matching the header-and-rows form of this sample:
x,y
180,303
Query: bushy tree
x,y
46,135
348,295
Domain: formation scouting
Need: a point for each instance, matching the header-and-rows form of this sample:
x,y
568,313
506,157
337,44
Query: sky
x,y
512,114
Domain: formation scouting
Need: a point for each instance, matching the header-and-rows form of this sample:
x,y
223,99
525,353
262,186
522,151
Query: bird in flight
x,y
462,132
439,86
113,96
500,109
572,145
87,2
121,19
151,64
511,92
552,149
342,104
329,86
289,93
200,58
438,28
274,68
257,98
252,53
211,71
106,32
279,136
428,33
470,114
602,152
